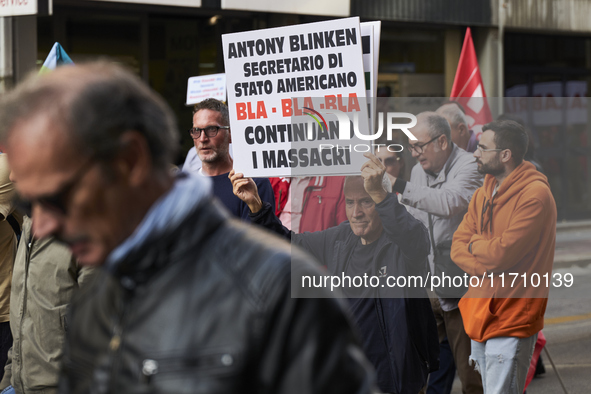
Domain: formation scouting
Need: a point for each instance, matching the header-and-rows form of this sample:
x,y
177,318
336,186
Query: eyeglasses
x,y
210,131
482,150
58,201
419,148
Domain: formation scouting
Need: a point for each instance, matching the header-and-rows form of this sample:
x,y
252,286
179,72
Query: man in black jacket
x,y
379,260
187,300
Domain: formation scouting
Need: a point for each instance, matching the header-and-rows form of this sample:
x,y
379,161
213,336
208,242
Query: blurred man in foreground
x,y
187,300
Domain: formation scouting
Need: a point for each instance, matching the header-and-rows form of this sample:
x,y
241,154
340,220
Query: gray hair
x,y
386,183
436,124
214,105
95,104
454,114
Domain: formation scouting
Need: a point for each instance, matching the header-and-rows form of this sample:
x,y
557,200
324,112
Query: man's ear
x,y
506,155
230,136
444,142
134,160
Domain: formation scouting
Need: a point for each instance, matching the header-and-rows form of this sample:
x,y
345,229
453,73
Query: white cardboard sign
x,y
340,8
370,37
206,86
287,88
18,7
179,3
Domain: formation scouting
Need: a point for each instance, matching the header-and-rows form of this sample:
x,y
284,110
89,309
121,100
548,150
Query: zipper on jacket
x,y
384,332
117,338
17,377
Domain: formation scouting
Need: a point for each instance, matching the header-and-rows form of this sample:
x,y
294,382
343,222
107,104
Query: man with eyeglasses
x,y
212,137
508,232
438,193
186,299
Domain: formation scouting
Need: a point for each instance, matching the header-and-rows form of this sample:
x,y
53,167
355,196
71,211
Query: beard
x,y
216,154
213,157
494,167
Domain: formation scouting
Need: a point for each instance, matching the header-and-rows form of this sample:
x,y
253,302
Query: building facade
x,y
533,49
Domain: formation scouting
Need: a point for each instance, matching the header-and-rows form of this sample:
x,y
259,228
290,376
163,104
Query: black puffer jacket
x,y
396,322
207,308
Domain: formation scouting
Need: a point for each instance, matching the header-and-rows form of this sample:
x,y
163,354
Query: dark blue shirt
x,y
222,189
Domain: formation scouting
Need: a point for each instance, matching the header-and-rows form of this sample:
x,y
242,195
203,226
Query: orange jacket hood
x,y
522,176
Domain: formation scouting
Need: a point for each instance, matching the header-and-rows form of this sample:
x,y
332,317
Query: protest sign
x,y
206,86
289,92
370,38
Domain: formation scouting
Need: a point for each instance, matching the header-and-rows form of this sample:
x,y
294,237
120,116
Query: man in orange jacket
x,y
506,242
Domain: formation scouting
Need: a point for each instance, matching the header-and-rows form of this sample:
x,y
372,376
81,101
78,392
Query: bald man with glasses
x,y
438,194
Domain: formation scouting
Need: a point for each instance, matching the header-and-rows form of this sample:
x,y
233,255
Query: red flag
x,y
468,88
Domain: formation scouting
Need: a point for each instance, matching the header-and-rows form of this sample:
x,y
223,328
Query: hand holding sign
x,y
372,172
246,190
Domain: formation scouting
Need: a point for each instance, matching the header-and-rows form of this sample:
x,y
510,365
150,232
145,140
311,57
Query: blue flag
x,y
57,57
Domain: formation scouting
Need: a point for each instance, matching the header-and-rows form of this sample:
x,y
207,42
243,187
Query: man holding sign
x,y
382,242
212,138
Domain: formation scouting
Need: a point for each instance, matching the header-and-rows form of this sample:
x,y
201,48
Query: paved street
x,y
568,331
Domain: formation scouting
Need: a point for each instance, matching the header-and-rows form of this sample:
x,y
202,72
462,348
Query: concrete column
x,y
486,44
24,35
6,70
453,48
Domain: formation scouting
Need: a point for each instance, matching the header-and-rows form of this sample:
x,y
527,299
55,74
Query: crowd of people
x,y
130,277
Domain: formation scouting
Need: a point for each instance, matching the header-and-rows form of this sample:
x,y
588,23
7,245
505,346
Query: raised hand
x,y
372,172
246,190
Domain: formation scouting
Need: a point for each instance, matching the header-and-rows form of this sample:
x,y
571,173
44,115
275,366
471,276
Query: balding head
x,y
435,124
94,104
456,118
433,146
89,147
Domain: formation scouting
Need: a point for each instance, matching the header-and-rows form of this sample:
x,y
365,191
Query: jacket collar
x,y
442,176
188,195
